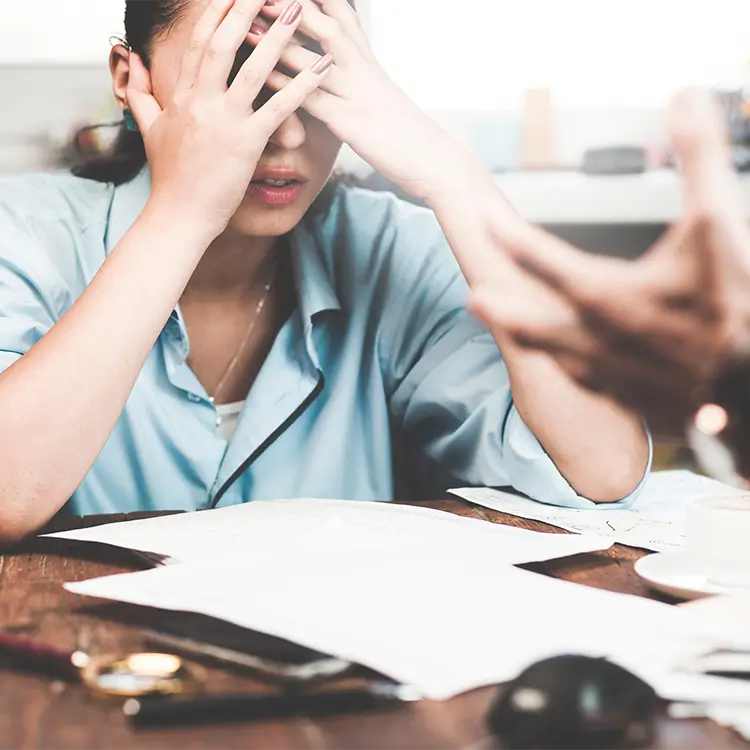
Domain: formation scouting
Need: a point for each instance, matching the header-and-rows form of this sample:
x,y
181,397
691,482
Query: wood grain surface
x,y
36,712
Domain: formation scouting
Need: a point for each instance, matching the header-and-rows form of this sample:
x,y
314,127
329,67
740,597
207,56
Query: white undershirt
x,y
227,416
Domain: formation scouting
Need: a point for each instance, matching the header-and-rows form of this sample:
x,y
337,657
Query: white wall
x,y
477,53
67,31
591,53
58,31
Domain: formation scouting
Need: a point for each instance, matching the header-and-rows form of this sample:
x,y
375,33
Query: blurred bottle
x,y
746,104
538,139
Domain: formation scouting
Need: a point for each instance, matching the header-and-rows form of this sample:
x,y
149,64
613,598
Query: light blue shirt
x,y
379,386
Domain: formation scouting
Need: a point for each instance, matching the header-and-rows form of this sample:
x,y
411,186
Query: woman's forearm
x,y
471,209
62,399
598,446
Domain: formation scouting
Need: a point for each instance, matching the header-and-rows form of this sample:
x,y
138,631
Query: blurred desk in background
x,y
617,215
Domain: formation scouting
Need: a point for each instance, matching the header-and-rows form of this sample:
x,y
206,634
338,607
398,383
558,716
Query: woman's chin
x,y
266,221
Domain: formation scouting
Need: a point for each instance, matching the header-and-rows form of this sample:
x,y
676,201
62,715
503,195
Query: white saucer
x,y
686,576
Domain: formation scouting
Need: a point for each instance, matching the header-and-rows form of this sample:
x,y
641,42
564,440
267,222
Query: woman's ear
x,y
119,68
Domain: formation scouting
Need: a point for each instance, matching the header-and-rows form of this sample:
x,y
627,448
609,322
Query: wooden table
x,y
38,713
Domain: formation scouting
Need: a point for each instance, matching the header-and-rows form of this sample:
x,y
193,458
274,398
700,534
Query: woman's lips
x,y
277,187
276,195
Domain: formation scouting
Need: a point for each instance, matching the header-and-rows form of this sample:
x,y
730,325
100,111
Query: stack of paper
x,y
282,528
729,713
734,716
655,522
444,627
424,597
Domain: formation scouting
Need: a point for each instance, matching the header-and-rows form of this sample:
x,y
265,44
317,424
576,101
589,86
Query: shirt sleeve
x,y
33,295
451,406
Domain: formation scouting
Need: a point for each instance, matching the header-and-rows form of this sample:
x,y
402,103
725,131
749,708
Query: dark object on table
x,y
204,638
211,641
615,160
574,702
207,639
217,709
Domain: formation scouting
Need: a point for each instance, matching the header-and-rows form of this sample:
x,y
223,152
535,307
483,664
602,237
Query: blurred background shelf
x,y
575,198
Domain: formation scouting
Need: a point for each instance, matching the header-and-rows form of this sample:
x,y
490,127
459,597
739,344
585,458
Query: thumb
x,y
701,143
144,107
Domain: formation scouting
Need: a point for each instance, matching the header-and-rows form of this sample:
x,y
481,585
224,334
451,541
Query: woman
x,y
199,335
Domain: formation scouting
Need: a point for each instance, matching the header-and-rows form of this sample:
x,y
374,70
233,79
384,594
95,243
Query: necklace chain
x,y
232,366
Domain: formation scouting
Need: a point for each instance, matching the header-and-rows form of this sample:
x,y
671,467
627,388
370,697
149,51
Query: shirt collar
x,y
314,286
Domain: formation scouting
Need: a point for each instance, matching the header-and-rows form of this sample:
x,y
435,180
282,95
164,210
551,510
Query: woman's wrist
x,y
193,229
456,176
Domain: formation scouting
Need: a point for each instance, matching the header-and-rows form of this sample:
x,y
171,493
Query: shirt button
x,y
192,397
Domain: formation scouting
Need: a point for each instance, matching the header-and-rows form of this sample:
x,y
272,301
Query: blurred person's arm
x,y
670,332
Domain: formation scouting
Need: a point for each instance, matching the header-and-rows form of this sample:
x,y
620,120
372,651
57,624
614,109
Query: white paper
x,y
656,521
734,716
301,527
444,626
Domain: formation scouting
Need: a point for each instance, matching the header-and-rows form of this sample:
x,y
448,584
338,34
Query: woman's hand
x,y
204,144
361,104
658,332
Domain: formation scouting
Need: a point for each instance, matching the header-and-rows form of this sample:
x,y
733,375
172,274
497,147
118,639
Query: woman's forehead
x,y
177,37
194,8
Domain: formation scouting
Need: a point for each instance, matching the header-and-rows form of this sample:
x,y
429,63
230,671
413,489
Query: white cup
x,y
717,534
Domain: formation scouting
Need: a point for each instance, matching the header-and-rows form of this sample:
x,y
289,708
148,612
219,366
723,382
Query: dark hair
x,y
145,21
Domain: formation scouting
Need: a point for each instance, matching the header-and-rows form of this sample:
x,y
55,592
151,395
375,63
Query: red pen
x,y
32,656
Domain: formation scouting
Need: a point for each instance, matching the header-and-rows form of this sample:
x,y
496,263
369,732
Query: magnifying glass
x,y
141,674
132,675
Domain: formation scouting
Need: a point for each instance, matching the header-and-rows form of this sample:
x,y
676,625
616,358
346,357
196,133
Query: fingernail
x,y
323,64
292,13
256,30
271,2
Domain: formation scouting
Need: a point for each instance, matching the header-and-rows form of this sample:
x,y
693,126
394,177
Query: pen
x,y
214,709
39,658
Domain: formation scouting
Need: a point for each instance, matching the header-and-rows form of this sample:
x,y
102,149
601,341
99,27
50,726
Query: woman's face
x,y
302,149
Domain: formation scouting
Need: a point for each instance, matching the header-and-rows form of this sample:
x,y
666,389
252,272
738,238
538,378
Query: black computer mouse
x,y
574,702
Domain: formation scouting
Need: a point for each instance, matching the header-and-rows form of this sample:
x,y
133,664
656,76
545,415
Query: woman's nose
x,y
291,134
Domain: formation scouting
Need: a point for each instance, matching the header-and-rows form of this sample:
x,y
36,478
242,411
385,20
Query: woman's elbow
x,y
616,480
13,530
19,521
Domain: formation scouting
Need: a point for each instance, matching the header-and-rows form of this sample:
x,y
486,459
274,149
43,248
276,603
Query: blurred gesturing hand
x,y
654,333
204,144
359,102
